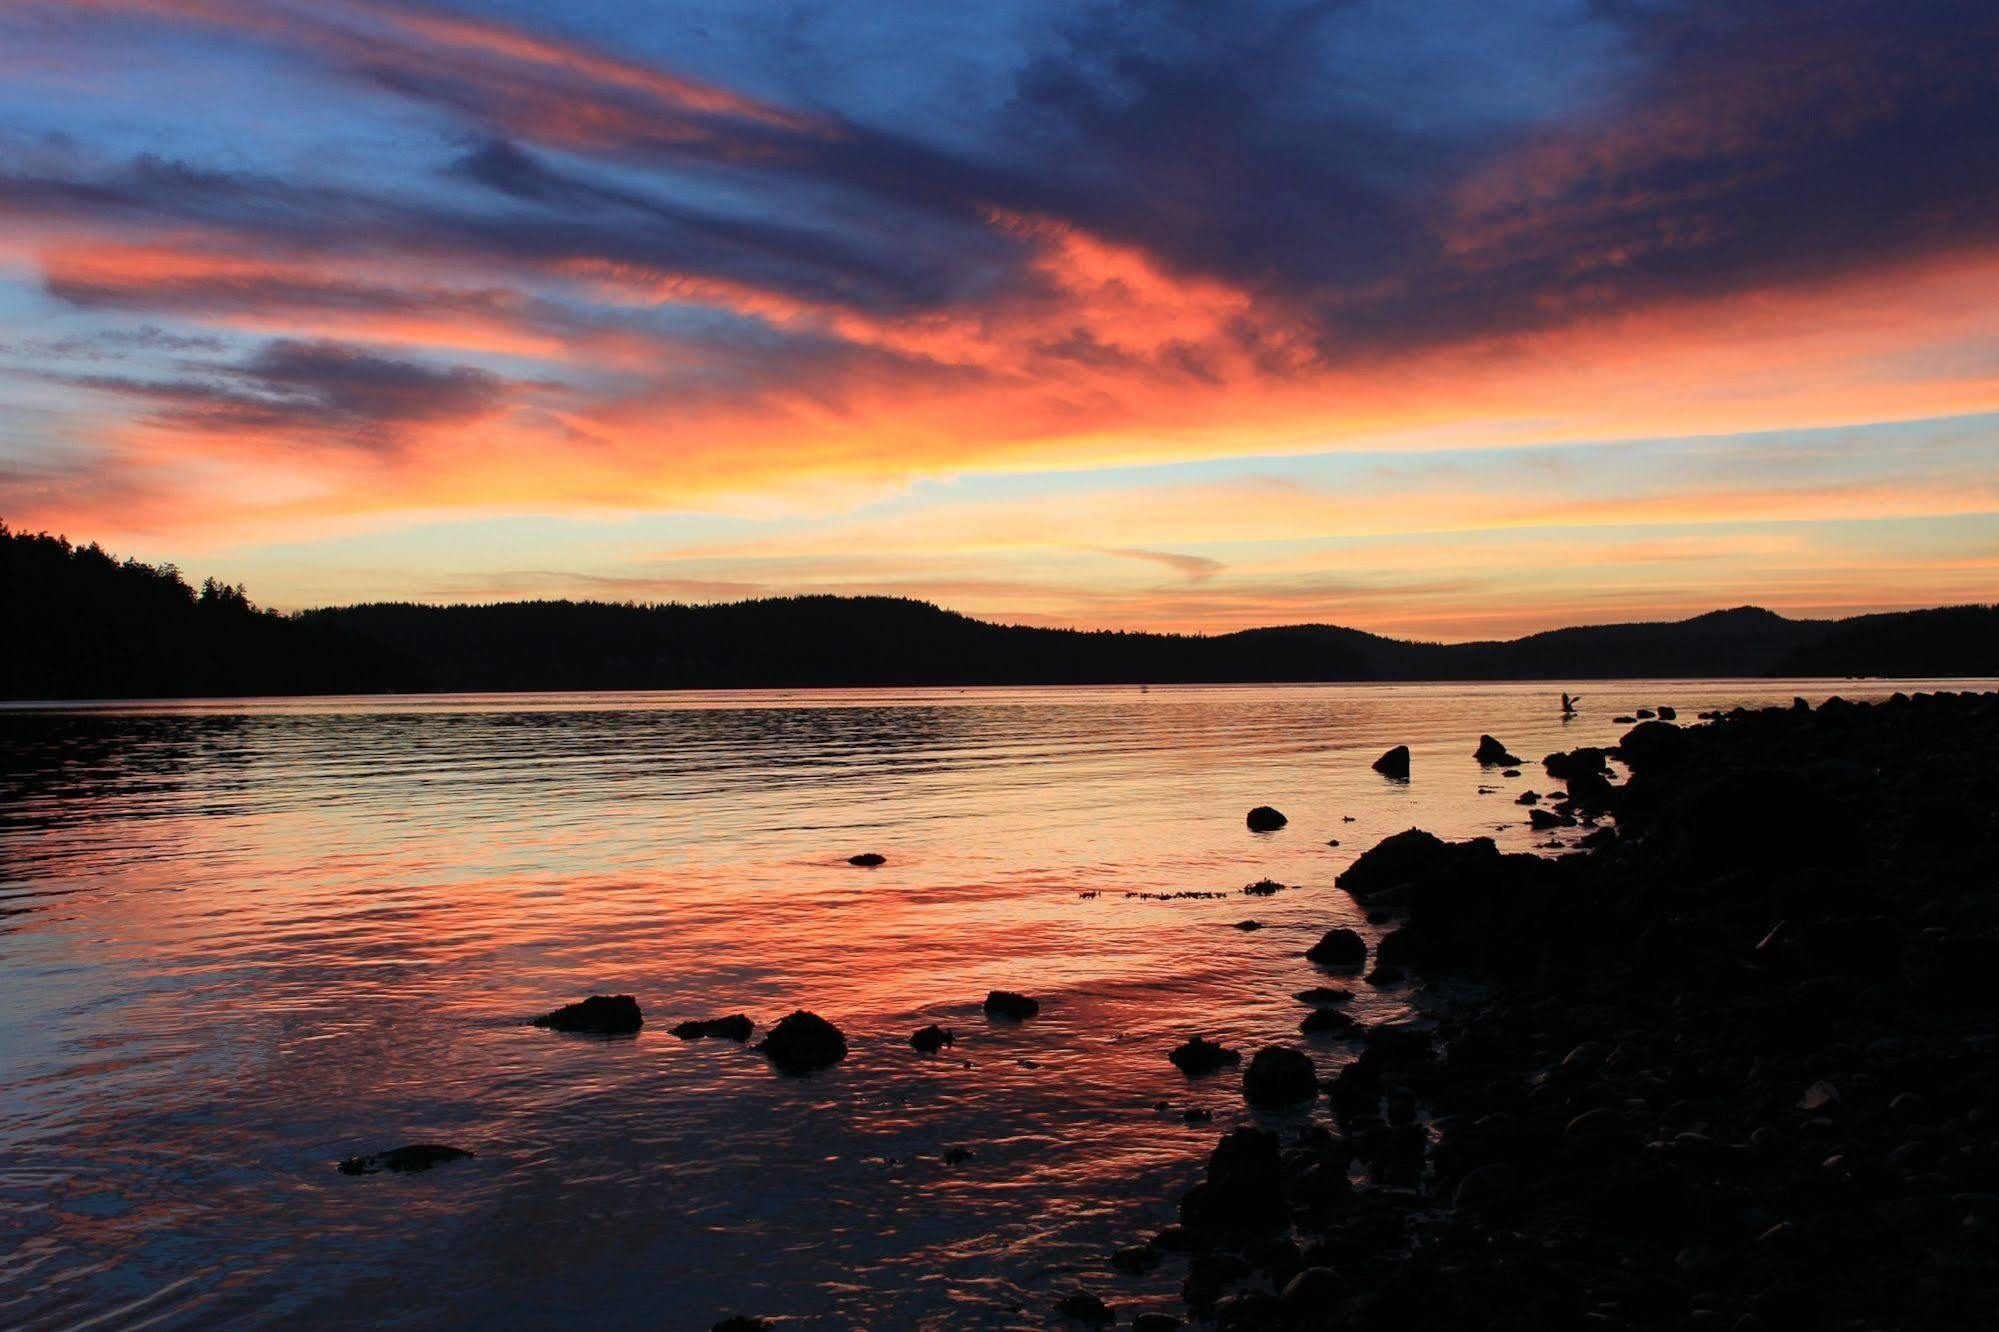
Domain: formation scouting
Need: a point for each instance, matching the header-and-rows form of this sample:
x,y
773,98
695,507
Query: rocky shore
x,y
1731,1066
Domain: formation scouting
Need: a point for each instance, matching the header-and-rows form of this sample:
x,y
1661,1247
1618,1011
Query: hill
x,y
84,624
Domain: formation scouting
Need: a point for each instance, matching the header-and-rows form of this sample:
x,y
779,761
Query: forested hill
x,y
83,624
80,623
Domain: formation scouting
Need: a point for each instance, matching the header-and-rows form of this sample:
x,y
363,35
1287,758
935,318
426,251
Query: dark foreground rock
x,y
1013,1007
403,1160
1492,754
1734,1068
1279,1076
1339,947
868,859
1265,819
1200,1055
735,1027
932,1038
1395,763
600,1014
804,1042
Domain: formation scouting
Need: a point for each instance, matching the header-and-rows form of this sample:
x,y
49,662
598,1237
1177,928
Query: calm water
x,y
241,940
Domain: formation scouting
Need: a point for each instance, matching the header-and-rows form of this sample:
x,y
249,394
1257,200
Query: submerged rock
x,y
600,1014
804,1042
1085,1307
1135,1258
1007,1004
1340,947
868,859
1265,819
1321,995
1492,754
1200,1055
1327,1021
933,1038
1395,763
1264,887
403,1160
1280,1076
735,1027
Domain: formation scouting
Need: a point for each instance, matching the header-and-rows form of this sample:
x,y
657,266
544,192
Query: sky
x,y
1438,318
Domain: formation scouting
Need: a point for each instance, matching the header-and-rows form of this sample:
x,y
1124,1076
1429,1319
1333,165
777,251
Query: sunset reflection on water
x,y
241,940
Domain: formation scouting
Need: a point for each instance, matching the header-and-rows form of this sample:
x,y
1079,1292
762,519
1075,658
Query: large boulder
x,y
600,1015
804,1042
1242,1188
1395,763
1278,1077
1409,857
1651,745
1492,754
1339,947
1265,819
1587,759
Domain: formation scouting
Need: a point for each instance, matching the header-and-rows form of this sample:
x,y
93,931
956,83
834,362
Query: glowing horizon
x,y
1427,320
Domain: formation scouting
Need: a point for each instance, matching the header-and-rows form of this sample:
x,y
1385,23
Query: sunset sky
x,y
1440,318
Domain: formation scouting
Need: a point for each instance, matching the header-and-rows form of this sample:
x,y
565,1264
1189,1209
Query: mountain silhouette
x,y
87,625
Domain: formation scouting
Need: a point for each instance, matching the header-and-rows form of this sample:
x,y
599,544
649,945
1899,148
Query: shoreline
x,y
1732,1066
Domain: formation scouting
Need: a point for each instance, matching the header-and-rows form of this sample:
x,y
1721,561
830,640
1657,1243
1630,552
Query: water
x,y
241,940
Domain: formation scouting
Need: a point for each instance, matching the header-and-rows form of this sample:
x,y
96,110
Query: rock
x,y
1395,763
1194,1114
1248,925
1491,754
743,1323
1266,887
1086,1308
735,1027
1818,1096
403,1160
1154,1322
1510,772
1645,714
1323,1021
1242,1188
1562,767
933,1038
1625,720
1007,1004
1279,1076
1135,1258
1200,1055
1652,745
1488,1188
1339,947
867,859
1320,995
1265,819
600,1014
1528,798
957,1155
1667,713
804,1042
1313,1289
1546,818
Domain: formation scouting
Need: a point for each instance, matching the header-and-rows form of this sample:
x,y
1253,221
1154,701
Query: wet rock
x,y
1395,763
1194,1114
1320,995
743,1323
868,859
403,1160
957,1155
1312,1290
1528,798
1327,1021
1279,1076
1667,713
1510,772
1819,1096
600,1014
1248,925
803,1042
1652,745
1339,947
1200,1055
735,1027
933,1038
1242,1187
1265,887
1563,767
1085,1308
1625,720
1547,818
1014,1007
1265,819
1135,1258
1154,1322
1209,1274
1492,754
